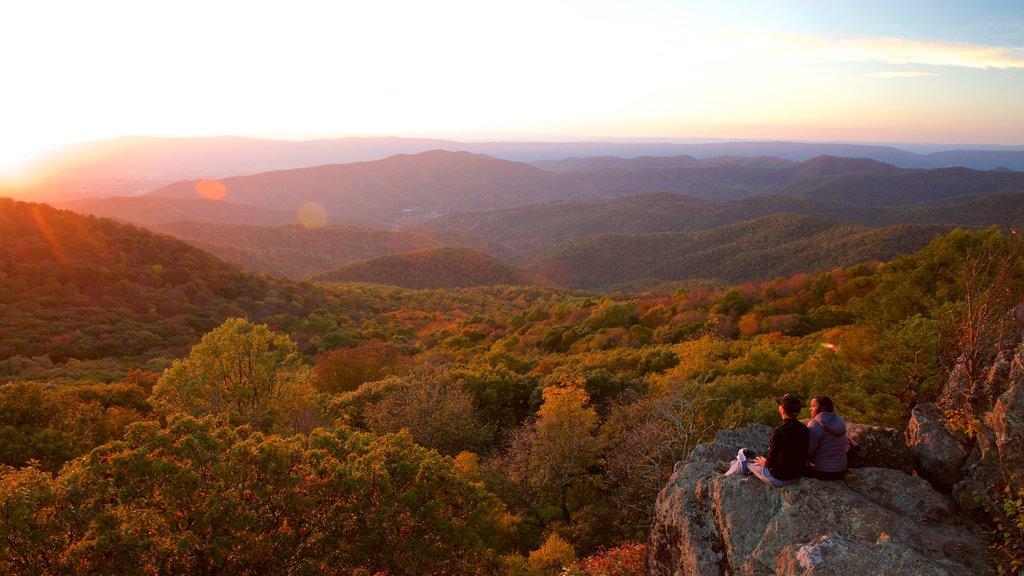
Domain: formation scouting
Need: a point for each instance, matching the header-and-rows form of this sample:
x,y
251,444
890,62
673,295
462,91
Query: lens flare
x,y
829,345
211,189
312,215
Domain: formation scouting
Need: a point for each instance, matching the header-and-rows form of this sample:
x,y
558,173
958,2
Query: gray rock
x,y
939,454
880,448
909,496
879,522
1007,423
838,556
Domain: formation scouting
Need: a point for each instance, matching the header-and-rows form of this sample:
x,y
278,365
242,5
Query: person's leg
x,y
737,468
765,475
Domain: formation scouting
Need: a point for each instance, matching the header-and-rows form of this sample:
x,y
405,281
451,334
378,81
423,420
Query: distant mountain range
x,y
415,188
134,165
398,189
598,222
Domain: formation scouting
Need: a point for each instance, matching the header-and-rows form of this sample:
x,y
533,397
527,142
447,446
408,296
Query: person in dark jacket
x,y
787,449
826,449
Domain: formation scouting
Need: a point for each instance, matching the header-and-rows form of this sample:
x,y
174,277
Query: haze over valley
x,y
633,217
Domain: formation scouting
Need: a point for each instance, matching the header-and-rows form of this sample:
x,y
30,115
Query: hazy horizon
x,y
911,74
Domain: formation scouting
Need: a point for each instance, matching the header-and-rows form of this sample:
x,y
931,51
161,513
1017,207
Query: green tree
x,y
437,411
647,438
549,467
201,497
241,370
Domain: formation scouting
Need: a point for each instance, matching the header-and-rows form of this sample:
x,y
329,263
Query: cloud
x,y
889,74
900,51
897,51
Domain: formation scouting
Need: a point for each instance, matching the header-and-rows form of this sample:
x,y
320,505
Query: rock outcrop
x,y
876,521
985,455
905,507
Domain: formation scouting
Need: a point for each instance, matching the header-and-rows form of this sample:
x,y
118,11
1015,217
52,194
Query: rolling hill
x,y
521,230
74,286
421,187
432,268
905,187
723,178
153,210
529,228
777,245
293,250
399,188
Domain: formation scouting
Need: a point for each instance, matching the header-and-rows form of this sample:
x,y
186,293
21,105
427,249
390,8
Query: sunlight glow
x,y
312,215
210,189
47,233
542,70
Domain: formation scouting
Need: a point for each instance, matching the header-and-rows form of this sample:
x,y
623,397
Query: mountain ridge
x,y
444,267
135,164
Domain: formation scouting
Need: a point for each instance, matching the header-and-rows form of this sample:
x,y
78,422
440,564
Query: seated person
x,y
787,449
826,448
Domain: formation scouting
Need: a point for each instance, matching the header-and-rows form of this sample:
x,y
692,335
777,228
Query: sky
x,y
935,71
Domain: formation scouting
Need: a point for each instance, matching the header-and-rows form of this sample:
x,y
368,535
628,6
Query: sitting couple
x,y
816,450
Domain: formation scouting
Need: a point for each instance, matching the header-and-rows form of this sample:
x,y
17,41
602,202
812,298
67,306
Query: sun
x,y
19,164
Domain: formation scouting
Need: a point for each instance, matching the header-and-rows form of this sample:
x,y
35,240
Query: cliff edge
x,y
905,507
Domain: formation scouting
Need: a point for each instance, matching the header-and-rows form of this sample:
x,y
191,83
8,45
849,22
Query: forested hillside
x,y
88,288
777,245
294,250
356,429
525,229
432,268
905,187
149,211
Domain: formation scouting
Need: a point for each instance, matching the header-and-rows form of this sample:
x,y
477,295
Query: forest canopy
x,y
163,412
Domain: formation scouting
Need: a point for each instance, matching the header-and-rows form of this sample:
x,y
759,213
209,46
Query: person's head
x,y
821,404
789,405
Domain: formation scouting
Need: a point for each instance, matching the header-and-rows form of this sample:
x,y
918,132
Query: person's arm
x,y
814,434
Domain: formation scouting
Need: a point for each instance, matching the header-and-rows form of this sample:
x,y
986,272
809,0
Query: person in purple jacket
x,y
826,448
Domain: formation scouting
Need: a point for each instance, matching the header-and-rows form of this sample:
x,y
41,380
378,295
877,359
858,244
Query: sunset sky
x,y
860,71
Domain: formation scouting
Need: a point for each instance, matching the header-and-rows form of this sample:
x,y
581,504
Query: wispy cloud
x,y
894,51
889,74
900,51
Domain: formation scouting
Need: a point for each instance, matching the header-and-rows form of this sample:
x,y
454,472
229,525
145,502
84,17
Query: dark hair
x,y
824,403
791,404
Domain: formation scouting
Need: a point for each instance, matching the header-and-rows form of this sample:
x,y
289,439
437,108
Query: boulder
x,y
880,447
1006,421
939,454
877,521
910,496
839,556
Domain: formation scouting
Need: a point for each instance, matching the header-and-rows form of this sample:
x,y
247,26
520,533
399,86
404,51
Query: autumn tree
x,y
549,468
991,280
52,424
647,438
345,369
201,497
436,409
240,370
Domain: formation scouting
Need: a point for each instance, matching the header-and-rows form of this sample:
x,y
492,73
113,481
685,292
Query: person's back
x,y
826,449
787,453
